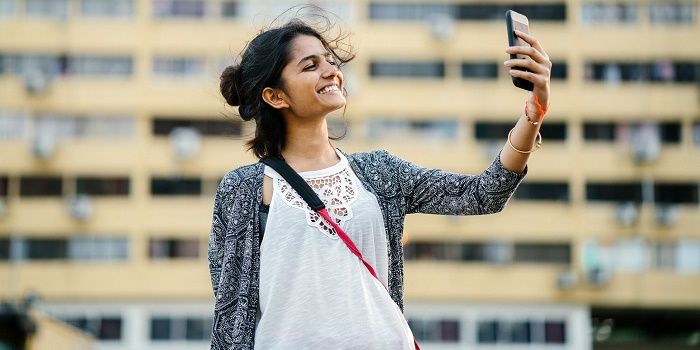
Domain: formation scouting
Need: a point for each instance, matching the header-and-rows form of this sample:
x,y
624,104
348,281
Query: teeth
x,y
330,88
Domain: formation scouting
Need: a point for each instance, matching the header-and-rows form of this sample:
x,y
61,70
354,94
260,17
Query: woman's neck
x,y
307,147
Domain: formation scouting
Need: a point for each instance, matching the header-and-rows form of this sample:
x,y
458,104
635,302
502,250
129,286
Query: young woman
x,y
282,279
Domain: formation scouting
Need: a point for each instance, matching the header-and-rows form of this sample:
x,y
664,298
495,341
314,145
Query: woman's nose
x,y
331,70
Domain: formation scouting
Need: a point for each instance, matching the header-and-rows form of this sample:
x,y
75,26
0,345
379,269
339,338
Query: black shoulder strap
x,y
294,180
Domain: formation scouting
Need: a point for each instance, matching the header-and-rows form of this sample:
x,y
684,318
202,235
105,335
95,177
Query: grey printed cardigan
x,y
400,187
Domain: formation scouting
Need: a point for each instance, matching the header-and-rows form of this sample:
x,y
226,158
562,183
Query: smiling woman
x,y
282,275
278,64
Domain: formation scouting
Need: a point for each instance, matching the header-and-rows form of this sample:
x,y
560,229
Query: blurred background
x,y
113,137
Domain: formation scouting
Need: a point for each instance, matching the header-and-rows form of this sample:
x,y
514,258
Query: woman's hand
x,y
539,68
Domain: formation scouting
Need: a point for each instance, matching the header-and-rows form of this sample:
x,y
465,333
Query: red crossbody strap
x,y
348,242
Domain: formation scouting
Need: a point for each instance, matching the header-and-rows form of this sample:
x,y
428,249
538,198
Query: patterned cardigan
x,y
400,187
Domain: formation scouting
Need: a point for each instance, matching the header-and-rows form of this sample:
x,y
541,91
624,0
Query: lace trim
x,y
337,191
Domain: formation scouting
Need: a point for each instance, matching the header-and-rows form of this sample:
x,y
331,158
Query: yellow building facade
x,y
113,137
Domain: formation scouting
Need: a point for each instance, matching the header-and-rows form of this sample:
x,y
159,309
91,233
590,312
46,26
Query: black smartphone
x,y
518,21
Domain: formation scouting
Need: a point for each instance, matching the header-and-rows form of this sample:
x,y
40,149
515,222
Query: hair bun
x,y
230,81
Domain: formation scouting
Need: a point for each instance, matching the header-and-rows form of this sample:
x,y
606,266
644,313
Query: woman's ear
x,y
275,98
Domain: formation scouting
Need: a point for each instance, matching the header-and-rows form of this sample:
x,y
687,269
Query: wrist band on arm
x,y
538,143
541,111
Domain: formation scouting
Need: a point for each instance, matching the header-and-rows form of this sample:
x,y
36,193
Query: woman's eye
x,y
333,63
311,66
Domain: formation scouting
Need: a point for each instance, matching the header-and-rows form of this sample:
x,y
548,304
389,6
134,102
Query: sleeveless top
x,y
314,293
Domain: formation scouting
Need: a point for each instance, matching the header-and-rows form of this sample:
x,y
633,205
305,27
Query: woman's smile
x,y
329,89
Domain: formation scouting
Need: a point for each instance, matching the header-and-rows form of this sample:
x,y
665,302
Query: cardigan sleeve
x,y
217,235
434,191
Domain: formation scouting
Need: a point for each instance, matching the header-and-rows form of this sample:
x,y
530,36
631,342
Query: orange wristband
x,y
541,111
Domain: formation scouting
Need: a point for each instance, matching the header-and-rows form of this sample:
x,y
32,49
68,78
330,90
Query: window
x,y
3,187
688,256
671,12
160,329
676,193
196,329
540,12
4,249
98,248
493,331
479,70
487,332
474,252
670,132
422,70
520,332
46,248
665,255
178,8
180,328
384,128
686,72
57,9
661,70
229,8
555,332
408,11
191,67
631,255
553,131
176,186
103,328
173,248
432,251
696,133
37,186
552,191
76,127
607,13
489,252
115,66
599,131
8,9
31,63
107,8
118,186
207,127
435,330
559,71
554,253
491,131
615,192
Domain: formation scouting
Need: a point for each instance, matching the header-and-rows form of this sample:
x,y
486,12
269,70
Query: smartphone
x,y
518,21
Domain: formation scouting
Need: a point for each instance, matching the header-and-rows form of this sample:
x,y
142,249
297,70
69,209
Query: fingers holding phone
x,y
529,62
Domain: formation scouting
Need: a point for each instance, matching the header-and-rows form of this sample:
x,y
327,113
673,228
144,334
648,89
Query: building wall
x,y
147,224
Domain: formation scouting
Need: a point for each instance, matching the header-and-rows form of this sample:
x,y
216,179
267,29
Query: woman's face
x,y
313,83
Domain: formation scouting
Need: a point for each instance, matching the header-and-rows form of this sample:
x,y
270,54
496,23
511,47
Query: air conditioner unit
x,y
666,214
35,81
566,280
598,277
442,26
185,142
645,143
499,252
44,145
81,207
626,214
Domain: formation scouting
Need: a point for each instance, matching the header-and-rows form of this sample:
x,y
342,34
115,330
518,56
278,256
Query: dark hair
x,y
261,66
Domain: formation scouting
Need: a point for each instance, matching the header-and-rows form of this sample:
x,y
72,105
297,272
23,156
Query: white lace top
x,y
314,293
